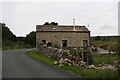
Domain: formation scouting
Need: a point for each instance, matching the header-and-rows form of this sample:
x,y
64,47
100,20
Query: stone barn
x,y
63,36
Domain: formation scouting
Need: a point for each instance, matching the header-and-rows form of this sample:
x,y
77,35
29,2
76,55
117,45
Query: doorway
x,y
64,43
85,43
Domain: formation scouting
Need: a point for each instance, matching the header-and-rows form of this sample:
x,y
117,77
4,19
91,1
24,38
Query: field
x,y
105,60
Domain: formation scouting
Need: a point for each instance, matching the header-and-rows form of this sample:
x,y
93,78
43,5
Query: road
x,y
17,64
100,50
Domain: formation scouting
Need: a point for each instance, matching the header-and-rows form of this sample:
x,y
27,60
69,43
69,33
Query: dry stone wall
x,y
64,57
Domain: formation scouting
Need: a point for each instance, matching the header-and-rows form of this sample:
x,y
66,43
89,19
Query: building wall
x,y
74,39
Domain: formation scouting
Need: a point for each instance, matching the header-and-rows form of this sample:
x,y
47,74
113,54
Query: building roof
x,y
45,28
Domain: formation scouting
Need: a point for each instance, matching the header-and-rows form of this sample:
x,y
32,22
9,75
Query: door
x,y
85,43
64,43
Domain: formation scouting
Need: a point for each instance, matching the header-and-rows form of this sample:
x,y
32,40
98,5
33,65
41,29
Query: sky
x,y
22,17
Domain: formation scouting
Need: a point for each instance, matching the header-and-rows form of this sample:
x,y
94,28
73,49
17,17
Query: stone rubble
x,y
64,57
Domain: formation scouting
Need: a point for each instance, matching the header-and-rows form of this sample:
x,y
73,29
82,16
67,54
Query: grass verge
x,y
82,72
14,47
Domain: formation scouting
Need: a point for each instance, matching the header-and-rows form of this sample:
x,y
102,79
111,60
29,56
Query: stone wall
x,y
64,57
74,39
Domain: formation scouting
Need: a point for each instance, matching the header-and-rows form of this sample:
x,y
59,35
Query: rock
x,y
68,53
106,66
56,62
69,64
61,65
91,67
75,48
82,62
116,62
49,47
61,61
99,65
59,50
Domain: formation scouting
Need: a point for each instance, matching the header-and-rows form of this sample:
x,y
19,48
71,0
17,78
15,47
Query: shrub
x,y
49,44
56,45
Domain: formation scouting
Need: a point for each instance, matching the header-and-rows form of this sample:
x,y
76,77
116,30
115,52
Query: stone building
x,y
63,35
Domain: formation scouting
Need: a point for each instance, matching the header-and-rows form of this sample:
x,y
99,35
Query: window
x,y
44,41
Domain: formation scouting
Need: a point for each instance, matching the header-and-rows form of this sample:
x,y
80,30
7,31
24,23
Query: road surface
x,y
100,50
17,64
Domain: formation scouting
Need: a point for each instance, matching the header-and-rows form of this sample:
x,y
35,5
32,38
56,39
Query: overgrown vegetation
x,y
10,41
49,44
82,72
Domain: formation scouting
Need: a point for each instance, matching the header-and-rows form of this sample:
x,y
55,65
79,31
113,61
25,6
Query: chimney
x,y
73,24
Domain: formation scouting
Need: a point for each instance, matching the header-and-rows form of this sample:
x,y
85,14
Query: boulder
x,y
91,67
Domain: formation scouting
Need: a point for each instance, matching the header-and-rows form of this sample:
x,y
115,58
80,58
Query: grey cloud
x,y
22,17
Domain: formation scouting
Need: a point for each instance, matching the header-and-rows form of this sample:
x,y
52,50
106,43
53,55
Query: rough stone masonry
x,y
64,57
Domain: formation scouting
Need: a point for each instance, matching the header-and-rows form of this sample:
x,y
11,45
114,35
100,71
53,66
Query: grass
x,y
80,71
102,42
105,60
35,54
14,47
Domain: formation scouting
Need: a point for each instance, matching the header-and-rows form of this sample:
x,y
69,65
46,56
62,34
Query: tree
x,y
31,38
46,23
52,23
98,38
7,35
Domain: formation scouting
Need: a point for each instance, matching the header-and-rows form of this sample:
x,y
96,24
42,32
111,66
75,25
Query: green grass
x,y
82,72
106,60
35,54
15,47
99,42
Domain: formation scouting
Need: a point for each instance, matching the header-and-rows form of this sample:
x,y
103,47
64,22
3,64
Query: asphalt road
x,y
100,50
17,64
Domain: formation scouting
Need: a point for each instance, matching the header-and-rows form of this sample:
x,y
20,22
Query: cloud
x,y
22,17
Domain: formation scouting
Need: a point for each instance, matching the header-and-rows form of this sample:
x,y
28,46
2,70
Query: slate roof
x,y
61,28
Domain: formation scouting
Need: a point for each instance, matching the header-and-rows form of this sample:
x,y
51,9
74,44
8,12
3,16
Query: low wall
x,y
63,56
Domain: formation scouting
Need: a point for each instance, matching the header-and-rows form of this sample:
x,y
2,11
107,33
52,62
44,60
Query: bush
x,y
49,44
56,46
